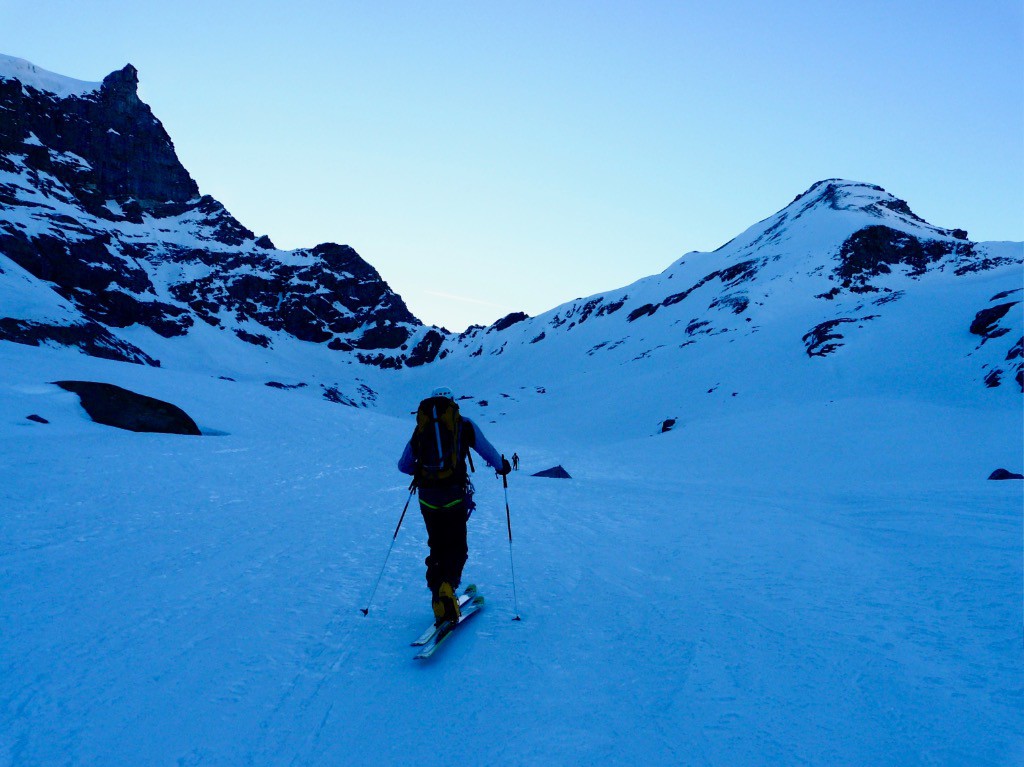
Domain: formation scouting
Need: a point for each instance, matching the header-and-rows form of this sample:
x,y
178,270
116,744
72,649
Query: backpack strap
x,y
468,441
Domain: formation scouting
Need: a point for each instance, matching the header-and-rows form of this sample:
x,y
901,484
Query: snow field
x,y
733,592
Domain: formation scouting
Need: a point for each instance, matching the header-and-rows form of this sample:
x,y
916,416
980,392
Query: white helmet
x,y
442,391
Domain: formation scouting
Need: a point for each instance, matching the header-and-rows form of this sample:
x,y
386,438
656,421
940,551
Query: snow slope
x,y
821,582
31,76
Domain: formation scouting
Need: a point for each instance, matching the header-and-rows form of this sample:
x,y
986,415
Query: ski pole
x,y
511,561
412,490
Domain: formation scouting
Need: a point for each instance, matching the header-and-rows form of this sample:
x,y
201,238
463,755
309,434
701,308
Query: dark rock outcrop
x,y
823,339
986,322
426,350
90,337
555,472
874,250
994,322
509,320
1016,357
730,277
1004,474
113,406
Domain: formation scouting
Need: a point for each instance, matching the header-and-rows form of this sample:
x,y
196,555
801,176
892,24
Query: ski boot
x,y
446,605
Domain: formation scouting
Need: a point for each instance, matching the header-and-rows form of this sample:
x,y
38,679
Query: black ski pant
x,y
445,513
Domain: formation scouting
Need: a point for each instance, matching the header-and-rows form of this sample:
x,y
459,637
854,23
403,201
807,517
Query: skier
x,y
436,456
515,461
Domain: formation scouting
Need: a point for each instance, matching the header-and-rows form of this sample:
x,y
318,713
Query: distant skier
x,y
436,456
515,461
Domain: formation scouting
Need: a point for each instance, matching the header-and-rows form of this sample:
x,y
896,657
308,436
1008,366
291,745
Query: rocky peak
x,y
97,207
100,145
122,84
842,195
831,190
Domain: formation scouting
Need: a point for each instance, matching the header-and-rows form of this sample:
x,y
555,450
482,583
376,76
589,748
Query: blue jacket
x,y
407,464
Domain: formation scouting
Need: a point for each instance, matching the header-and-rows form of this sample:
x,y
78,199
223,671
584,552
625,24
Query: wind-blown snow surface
x,y
816,582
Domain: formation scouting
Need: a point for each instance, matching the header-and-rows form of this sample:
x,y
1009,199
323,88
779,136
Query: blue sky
x,y
489,158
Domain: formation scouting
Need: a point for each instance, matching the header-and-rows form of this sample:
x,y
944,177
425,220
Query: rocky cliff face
x,y
95,204
105,145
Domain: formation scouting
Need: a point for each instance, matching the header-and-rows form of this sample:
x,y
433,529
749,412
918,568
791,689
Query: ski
x,y
432,629
446,629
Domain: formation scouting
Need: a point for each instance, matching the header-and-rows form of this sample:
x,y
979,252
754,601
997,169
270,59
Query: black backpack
x,y
438,445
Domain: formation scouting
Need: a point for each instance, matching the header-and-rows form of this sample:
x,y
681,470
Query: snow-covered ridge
x,y
31,76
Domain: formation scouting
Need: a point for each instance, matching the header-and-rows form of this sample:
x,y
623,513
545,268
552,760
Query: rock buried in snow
x,y
555,472
113,406
1004,474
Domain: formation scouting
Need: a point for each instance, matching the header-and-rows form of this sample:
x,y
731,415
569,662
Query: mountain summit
x,y
841,256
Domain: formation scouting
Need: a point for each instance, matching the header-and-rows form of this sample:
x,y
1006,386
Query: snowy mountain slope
x,y
840,249
844,291
744,590
96,206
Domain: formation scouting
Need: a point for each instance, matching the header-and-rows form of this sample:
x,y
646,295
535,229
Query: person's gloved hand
x,y
505,467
